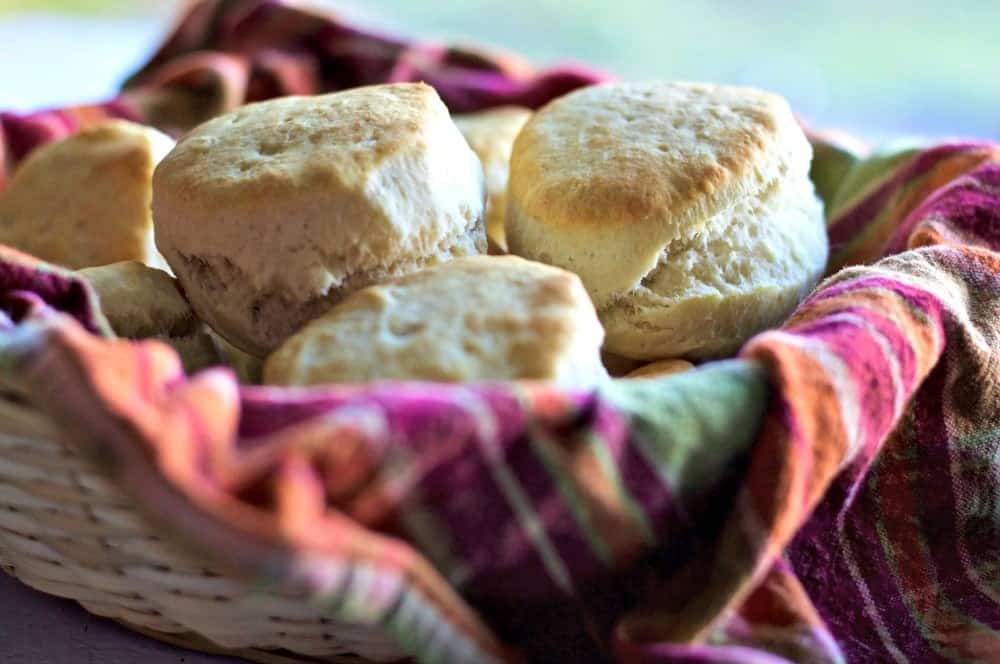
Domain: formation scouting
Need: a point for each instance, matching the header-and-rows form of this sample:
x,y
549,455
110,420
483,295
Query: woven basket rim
x,y
52,511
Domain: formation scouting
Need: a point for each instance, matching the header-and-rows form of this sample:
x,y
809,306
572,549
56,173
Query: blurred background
x,y
888,69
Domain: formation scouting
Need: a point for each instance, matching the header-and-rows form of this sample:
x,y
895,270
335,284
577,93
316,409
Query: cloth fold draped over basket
x,y
833,494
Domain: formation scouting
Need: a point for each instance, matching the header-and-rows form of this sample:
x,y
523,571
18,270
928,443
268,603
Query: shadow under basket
x,y
66,530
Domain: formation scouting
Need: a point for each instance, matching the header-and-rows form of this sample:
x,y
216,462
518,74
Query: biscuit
x,y
272,214
491,136
660,368
686,209
141,302
84,200
478,318
617,365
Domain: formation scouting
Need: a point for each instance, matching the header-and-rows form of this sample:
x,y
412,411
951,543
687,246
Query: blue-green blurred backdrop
x,y
883,69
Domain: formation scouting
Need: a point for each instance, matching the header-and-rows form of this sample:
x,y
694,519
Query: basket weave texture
x,y
66,530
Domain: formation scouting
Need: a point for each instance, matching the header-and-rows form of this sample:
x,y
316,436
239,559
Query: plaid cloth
x,y
831,495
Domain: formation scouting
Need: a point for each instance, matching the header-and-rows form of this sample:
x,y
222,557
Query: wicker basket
x,y
66,530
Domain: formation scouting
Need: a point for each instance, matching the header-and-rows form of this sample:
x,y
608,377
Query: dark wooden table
x,y
41,629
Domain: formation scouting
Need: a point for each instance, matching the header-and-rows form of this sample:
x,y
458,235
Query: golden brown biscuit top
x,y
480,317
669,154
282,145
84,200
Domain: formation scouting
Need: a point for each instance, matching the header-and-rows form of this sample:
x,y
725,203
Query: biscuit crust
x,y
477,318
84,200
491,136
273,213
685,208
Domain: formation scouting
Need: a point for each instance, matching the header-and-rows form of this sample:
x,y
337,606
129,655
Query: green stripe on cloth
x,y
574,501
692,425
